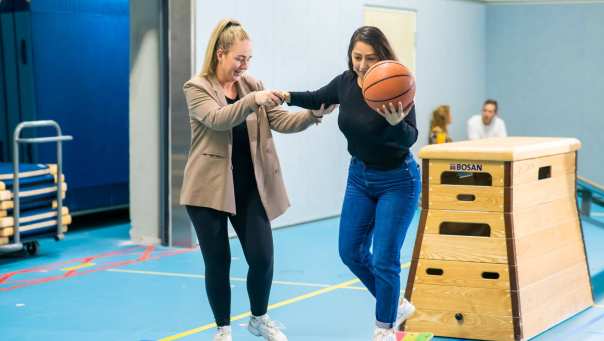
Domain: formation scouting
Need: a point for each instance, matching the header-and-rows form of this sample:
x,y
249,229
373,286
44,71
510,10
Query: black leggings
x,y
254,232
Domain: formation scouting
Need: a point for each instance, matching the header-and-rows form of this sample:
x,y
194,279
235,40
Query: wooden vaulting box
x,y
499,253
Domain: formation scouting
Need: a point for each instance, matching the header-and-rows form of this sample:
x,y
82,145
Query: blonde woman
x,y
441,118
233,173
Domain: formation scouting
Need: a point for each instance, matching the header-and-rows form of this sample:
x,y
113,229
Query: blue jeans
x,y
378,208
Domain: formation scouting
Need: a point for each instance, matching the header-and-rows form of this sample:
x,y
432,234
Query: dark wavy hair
x,y
373,37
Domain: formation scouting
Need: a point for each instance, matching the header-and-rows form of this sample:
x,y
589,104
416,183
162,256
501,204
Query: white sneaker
x,y
265,327
405,310
382,334
223,334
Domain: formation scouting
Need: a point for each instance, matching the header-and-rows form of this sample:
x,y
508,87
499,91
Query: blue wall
x,y
545,65
80,55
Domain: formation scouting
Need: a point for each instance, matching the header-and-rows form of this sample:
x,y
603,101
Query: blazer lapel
x,y
218,90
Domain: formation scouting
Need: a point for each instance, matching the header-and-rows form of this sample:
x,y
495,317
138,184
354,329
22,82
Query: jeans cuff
x,y
383,325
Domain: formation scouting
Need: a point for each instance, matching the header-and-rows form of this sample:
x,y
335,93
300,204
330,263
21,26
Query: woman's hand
x,y
268,99
394,115
318,113
284,95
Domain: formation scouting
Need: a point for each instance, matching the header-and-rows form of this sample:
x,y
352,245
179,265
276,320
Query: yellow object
x,y
441,137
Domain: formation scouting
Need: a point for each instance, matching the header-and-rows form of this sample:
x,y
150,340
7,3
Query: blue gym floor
x,y
94,285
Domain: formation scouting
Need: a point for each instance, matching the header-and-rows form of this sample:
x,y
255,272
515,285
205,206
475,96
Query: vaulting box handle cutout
x,y
465,229
466,178
545,172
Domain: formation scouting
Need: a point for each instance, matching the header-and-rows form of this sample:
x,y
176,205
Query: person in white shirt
x,y
488,124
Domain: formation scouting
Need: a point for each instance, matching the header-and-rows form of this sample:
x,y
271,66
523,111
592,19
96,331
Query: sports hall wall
x,y
299,45
545,66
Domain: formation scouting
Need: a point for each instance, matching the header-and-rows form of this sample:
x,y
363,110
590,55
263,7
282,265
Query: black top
x,y
243,168
370,137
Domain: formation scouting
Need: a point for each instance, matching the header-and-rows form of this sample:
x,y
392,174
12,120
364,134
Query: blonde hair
x,y
440,118
226,33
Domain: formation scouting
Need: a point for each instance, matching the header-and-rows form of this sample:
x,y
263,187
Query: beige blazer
x,y
208,176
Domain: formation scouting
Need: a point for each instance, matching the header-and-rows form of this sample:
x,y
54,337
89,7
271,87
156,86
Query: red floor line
x,y
146,255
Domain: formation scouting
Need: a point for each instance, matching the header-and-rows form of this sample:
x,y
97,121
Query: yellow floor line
x,y
356,288
272,306
83,265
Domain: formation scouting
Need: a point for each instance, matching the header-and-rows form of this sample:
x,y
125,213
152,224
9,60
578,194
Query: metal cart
x,y
31,246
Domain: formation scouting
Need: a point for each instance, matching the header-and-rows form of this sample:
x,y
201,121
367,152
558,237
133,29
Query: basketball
x,y
386,82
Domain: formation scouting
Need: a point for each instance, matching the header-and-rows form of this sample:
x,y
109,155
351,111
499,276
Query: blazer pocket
x,y
212,156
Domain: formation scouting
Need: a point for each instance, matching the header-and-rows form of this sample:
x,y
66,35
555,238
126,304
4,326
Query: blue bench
x,y
590,192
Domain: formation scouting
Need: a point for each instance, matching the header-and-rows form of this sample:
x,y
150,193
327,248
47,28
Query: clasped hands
x,y
272,98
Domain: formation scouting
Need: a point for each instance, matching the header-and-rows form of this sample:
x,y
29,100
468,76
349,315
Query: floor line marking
x,y
295,299
234,279
270,307
8,281
237,279
601,306
77,267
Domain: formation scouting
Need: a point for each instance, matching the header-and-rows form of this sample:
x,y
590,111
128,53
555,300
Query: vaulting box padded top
x,y
501,148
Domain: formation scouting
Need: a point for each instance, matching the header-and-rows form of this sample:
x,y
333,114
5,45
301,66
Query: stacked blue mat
x,y
38,204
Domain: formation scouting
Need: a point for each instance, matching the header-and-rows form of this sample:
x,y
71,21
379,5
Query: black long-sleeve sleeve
x,y
370,137
327,95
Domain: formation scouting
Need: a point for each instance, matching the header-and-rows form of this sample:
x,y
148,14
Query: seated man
x,y
488,124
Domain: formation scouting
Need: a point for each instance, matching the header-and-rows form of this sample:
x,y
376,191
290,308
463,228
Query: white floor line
x,y
597,214
234,279
601,306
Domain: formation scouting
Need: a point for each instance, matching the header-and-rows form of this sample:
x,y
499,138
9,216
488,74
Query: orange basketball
x,y
386,82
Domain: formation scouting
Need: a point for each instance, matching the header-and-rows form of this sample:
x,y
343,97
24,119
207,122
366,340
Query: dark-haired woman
x,y
383,180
